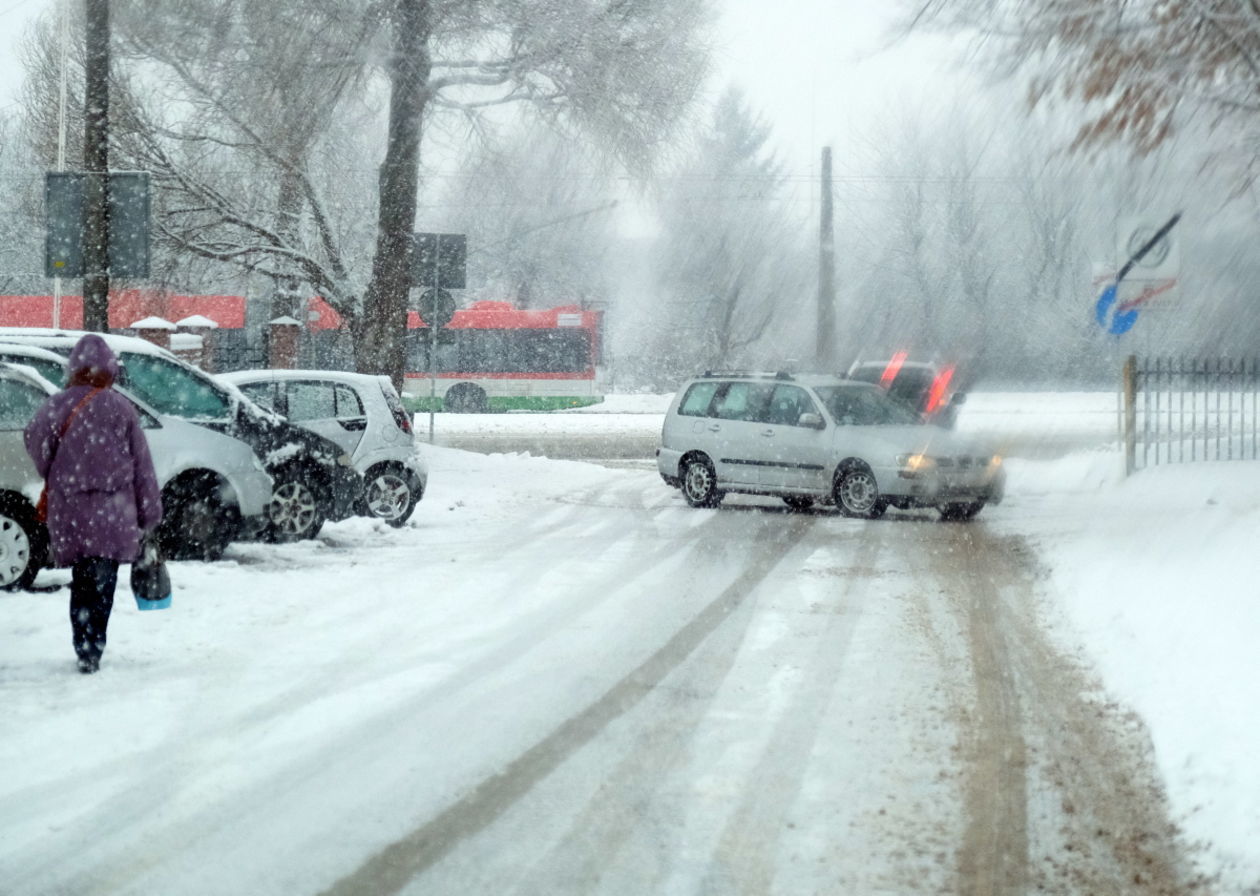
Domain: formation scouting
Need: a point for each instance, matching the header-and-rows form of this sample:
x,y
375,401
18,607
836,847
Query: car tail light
x,y
936,394
893,368
396,407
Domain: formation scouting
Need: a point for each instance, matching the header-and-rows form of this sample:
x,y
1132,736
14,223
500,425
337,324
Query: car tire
x,y
798,502
699,482
961,511
197,524
296,510
857,494
23,544
390,494
466,398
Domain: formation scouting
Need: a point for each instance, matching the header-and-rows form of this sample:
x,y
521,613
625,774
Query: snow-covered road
x,y
561,679
558,678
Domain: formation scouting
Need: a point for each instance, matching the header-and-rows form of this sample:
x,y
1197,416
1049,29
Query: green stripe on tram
x,y
422,404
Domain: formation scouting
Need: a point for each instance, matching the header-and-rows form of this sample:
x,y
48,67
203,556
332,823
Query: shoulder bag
x,y
41,506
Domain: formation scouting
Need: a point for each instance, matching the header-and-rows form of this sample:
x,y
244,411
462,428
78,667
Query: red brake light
x,y
937,393
893,368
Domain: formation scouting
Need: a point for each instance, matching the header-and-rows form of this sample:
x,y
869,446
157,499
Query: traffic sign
x,y
437,307
439,259
128,223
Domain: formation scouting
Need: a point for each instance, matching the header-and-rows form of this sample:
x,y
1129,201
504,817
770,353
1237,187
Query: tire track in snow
x,y
113,871
168,774
396,865
745,858
1061,794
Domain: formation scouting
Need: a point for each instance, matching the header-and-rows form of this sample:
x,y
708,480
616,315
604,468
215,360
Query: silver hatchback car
x,y
822,439
364,415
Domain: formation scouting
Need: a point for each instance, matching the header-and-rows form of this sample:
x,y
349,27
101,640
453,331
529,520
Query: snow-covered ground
x,y
279,658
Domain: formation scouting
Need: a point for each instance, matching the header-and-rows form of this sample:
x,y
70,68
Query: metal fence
x,y
1184,410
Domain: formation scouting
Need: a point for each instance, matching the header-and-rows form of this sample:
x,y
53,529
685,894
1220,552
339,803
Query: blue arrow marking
x,y
1121,321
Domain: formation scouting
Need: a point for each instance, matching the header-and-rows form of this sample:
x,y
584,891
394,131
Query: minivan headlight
x,y
915,463
345,460
995,460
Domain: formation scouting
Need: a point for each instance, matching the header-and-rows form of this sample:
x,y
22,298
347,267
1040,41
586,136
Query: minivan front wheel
x,y
857,494
699,483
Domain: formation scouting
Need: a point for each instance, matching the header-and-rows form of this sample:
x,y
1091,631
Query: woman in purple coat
x,y
87,443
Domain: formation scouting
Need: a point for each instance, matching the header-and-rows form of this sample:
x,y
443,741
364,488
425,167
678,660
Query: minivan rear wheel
x,y
699,482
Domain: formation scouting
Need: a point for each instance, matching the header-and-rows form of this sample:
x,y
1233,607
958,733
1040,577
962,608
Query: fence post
x,y
1130,413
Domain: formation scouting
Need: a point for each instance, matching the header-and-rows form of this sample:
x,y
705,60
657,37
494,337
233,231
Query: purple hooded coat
x,y
102,491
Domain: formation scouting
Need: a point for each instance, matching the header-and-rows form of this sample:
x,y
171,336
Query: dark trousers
x,y
91,600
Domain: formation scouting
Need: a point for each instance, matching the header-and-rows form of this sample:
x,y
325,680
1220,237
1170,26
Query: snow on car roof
x,y
65,339
344,376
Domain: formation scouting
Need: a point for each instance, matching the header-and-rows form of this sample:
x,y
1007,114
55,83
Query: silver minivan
x,y
816,438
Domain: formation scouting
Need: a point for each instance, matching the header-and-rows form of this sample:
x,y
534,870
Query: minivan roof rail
x,y
750,374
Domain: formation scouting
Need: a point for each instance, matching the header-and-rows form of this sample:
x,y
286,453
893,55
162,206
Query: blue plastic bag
x,y
150,580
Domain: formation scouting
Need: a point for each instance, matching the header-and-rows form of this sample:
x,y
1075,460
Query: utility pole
x,y
825,352
96,165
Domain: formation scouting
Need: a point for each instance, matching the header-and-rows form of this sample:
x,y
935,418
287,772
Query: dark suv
x,y
314,480
926,388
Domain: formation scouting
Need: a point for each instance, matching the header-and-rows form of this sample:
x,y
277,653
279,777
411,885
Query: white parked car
x,y
210,482
364,415
821,439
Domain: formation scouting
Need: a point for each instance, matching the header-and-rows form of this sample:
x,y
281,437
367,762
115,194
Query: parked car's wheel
x,y
23,543
960,511
466,398
197,524
857,494
699,482
295,510
391,494
798,502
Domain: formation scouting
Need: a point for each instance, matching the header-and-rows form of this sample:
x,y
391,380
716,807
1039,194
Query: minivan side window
x,y
787,404
697,400
744,401
172,389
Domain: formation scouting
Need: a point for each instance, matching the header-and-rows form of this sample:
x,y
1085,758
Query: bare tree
x,y
235,132
538,211
730,259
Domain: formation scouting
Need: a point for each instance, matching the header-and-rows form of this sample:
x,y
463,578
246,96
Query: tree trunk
x,y
96,164
380,344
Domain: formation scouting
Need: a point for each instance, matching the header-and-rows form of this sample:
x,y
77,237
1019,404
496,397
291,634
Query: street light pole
x,y
825,351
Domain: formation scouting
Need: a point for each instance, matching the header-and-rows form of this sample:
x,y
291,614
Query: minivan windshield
x,y
860,406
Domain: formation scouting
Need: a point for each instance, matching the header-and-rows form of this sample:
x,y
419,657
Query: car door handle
x,y
713,427
767,433
353,424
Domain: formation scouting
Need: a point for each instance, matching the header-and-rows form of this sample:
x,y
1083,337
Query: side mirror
x,y
811,421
